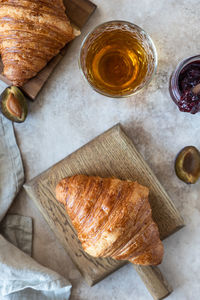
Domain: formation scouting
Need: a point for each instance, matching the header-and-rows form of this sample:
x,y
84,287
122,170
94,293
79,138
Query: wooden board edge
x,y
123,263
80,5
125,137
117,130
107,132
154,281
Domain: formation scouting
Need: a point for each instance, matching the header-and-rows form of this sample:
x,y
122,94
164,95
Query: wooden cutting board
x,y
110,154
78,12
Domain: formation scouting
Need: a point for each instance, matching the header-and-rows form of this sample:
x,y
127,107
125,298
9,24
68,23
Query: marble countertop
x,y
68,114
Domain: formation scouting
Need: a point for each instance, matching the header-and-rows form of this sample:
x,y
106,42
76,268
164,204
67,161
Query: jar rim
x,y
174,79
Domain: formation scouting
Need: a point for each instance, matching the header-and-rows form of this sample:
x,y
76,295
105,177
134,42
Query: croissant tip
x,y
61,190
58,192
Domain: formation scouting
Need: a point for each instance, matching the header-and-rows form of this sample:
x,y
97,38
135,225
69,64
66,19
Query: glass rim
x,y
140,30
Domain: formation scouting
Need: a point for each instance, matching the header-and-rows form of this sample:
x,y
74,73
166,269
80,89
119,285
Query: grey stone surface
x,y
68,113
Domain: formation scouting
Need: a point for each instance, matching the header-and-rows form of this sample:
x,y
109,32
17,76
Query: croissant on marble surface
x,y
113,218
32,32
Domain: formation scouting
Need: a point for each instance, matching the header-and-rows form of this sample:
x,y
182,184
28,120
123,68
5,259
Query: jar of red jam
x,y
185,85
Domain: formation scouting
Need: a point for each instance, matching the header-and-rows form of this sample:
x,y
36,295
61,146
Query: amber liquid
x,y
116,63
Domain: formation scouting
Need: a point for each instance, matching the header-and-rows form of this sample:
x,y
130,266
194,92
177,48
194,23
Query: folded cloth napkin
x,y
11,169
21,277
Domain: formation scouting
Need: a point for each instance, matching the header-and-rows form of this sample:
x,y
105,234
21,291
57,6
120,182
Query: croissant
x,y
31,33
112,217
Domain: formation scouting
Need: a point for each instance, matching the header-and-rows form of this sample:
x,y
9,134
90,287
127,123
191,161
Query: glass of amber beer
x,y
118,59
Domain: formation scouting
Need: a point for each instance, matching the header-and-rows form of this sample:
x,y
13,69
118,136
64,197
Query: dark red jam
x,y
189,78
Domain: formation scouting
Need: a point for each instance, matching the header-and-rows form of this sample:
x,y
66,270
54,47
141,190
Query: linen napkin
x,y
21,277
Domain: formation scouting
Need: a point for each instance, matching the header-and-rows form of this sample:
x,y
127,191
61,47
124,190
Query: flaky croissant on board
x,y
31,33
112,217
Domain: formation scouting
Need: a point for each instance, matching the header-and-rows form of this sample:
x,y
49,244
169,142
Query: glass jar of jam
x,y
185,85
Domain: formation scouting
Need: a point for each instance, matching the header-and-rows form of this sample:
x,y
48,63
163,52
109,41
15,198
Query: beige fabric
x,y
21,277
11,169
18,230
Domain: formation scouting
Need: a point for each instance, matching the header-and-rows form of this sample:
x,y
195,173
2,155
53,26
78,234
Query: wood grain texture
x,y
154,281
78,12
110,154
